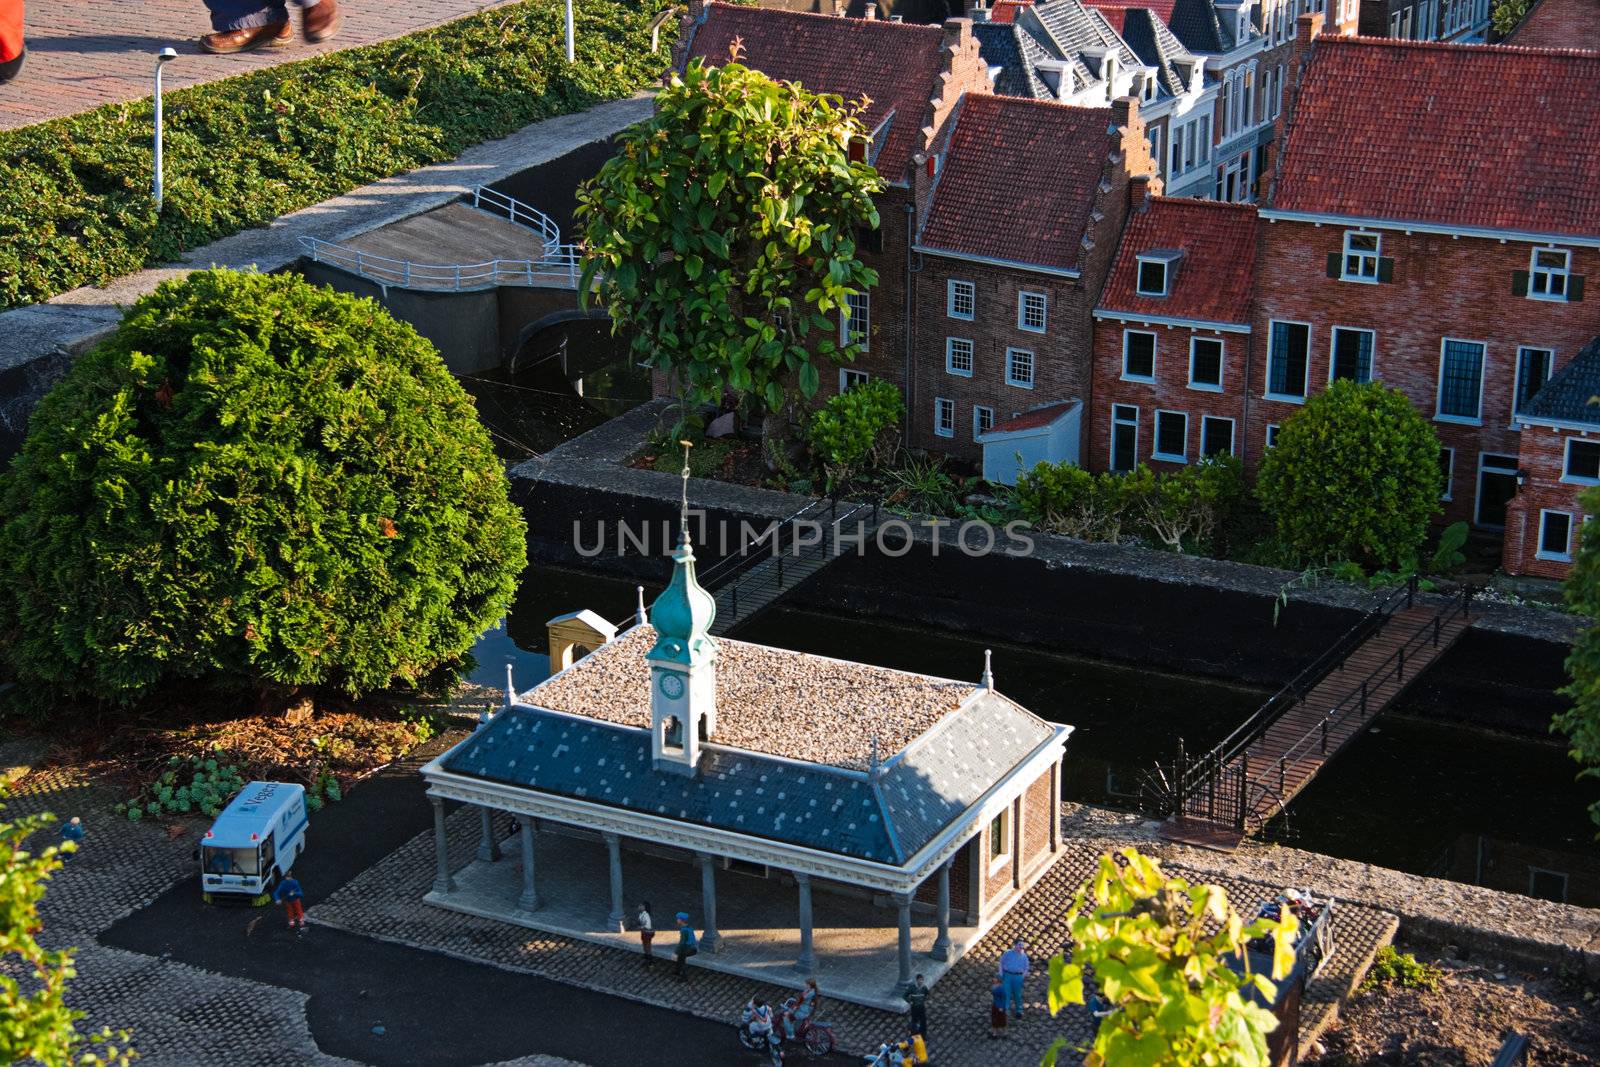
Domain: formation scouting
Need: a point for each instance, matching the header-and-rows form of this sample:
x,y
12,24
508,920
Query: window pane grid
x,y
1458,384
958,356
1019,366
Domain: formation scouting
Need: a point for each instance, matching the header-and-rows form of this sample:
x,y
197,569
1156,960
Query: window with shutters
x,y
1548,273
1287,353
1533,371
1361,251
1460,381
1172,436
1138,356
1205,363
1351,358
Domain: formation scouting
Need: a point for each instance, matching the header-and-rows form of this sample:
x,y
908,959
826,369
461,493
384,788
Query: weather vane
x,y
683,514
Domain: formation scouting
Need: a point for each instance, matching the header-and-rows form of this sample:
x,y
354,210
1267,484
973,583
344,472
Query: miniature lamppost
x,y
163,57
571,54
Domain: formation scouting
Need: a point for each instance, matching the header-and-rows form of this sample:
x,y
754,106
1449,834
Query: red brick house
x,y
1558,460
914,75
1026,208
1559,24
1432,239
1172,336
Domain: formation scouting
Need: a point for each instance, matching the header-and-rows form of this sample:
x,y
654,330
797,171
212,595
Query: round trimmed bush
x,y
253,481
1354,476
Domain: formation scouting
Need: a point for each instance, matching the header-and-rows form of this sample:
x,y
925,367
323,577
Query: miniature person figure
x,y
240,25
804,1006
997,1009
1013,969
686,946
71,834
647,932
292,897
917,997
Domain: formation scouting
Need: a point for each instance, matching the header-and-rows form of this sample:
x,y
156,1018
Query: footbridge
x,y
1230,792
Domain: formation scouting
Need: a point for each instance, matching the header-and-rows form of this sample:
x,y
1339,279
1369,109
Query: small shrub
x,y
1392,967
1354,475
855,429
922,486
1183,509
193,786
1448,555
1066,499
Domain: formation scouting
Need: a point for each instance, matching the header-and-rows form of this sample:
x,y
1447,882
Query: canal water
x,y
1414,795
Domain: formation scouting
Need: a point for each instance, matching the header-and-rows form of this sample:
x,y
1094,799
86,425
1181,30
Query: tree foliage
x,y
1354,475
36,1026
254,481
724,233
1581,722
1181,509
1507,14
1159,950
855,427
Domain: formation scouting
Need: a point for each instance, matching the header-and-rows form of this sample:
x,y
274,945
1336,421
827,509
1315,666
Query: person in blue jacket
x,y
292,897
686,945
71,833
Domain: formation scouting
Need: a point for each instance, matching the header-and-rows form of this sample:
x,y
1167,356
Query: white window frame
x,y
1033,367
1111,451
1233,435
1372,366
1365,260
999,830
1566,881
978,411
955,291
1305,382
1166,275
1438,390
1023,297
1222,363
1155,437
1564,556
856,328
1155,346
849,378
1549,275
942,405
1516,375
1566,462
1271,437
1449,472
950,345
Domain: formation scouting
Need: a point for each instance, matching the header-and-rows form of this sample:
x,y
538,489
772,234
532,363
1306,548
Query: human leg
x,y
319,19
1013,983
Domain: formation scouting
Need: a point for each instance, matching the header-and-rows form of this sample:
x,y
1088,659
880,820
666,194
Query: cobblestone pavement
x,y
84,53
386,902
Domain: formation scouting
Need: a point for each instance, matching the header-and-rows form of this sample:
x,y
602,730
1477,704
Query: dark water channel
x,y
1415,795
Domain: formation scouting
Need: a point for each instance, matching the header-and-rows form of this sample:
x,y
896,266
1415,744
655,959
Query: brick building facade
x,y
1559,460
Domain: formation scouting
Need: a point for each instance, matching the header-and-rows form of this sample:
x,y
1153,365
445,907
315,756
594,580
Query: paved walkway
x,y
84,53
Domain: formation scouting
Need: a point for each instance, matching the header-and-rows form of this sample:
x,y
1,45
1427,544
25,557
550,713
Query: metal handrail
x,y
487,198
562,268
1357,697
724,569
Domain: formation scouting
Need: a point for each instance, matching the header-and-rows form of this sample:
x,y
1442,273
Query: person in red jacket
x,y
10,39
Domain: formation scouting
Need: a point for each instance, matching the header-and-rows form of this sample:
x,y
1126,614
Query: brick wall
x,y
1169,392
1543,455
1038,808
998,883
960,878
1442,287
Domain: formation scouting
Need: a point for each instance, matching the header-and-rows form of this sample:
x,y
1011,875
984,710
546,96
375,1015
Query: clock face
x,y
671,685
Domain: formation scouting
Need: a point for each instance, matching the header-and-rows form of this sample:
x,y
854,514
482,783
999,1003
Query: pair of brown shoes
x,y
317,23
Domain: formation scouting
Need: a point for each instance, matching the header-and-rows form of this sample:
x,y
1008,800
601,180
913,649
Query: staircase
x,y
782,559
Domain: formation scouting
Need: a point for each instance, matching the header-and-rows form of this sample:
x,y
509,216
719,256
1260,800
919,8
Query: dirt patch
x,y
1479,1004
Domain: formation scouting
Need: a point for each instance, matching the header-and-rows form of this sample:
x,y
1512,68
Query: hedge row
x,y
74,193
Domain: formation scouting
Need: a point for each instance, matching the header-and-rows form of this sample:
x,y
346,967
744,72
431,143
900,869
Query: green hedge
x,y
74,193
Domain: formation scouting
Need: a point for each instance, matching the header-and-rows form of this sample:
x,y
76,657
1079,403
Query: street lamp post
x,y
571,54
163,57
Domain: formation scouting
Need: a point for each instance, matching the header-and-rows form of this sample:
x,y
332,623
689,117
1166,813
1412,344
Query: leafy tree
x,y
1159,950
1506,15
724,233
1354,475
857,426
254,481
37,1026
1581,722
1180,509
1186,506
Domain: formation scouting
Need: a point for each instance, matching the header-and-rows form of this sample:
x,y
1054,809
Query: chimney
x,y
872,10
1139,193
1124,110
978,11
957,32
1306,29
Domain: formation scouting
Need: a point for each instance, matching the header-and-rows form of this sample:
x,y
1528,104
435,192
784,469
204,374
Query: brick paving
x,y
85,53
386,902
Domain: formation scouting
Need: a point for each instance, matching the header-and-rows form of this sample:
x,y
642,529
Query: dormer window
x,y
1361,252
1549,273
1155,273
1147,86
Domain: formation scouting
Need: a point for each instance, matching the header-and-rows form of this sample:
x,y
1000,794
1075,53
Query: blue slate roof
x,y
936,779
1012,54
1566,396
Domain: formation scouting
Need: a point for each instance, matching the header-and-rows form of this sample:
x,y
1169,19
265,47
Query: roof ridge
x,y
1216,205
779,12
1001,100
1458,46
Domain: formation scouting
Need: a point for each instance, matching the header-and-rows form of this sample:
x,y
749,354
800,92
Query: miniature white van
x,y
254,841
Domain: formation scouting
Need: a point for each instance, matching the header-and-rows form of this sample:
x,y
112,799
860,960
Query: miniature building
x,y
921,791
1558,459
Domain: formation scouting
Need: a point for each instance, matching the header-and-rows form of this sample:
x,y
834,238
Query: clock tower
x,y
683,684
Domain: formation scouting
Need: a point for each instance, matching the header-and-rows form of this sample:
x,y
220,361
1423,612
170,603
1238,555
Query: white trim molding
x,y
945,253
1167,320
1272,215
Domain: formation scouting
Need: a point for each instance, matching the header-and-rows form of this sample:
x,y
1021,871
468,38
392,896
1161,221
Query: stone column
x,y
488,847
709,938
902,901
529,901
941,944
807,961
442,882
614,847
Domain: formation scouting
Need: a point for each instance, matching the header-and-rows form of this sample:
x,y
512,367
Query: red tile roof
x,y
1480,136
894,64
1559,24
1019,181
1006,10
1214,278
1032,420
1116,11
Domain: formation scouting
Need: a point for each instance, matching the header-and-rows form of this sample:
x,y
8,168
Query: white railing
x,y
497,203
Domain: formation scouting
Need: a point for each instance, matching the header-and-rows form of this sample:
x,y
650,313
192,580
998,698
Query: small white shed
x,y
1049,433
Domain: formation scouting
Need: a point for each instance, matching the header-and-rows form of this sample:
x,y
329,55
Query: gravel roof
x,y
769,700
